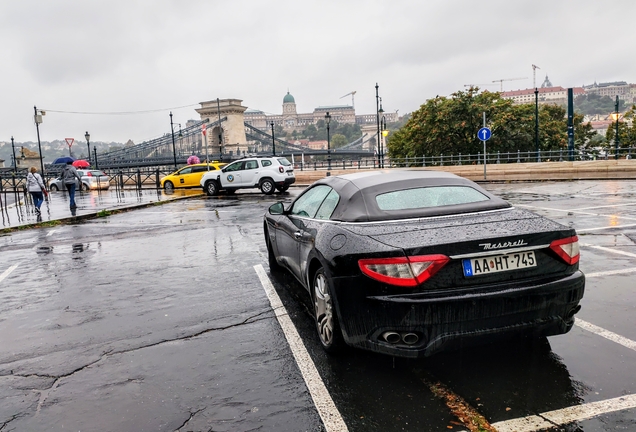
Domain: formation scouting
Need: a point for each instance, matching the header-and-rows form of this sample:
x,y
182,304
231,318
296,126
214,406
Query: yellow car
x,y
189,176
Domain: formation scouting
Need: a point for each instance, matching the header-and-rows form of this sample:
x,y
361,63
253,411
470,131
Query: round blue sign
x,y
484,134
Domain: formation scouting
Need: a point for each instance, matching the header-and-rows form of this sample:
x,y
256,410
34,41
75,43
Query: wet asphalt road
x,y
155,320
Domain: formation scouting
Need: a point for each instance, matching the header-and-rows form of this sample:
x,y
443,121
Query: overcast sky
x,y
130,56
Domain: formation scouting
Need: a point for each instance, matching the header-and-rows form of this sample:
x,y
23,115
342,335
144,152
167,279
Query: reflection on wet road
x,y
156,320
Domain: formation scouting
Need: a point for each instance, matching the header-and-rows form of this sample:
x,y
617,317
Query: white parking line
x,y
564,416
7,272
605,227
627,343
50,233
576,211
609,273
322,399
606,249
605,206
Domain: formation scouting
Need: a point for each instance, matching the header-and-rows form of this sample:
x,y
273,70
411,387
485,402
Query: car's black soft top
x,y
358,191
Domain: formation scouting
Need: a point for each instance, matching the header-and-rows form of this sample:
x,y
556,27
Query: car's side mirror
x,y
277,209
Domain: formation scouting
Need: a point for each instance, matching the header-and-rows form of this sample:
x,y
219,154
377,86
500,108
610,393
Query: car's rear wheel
x,y
267,186
168,186
211,188
282,188
325,313
273,265
54,188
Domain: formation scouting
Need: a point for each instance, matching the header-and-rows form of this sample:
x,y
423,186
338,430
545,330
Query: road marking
x,y
605,227
322,399
609,273
627,343
550,419
605,206
576,211
606,249
7,272
50,232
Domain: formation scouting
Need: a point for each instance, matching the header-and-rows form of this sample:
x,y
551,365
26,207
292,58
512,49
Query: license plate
x,y
498,263
290,173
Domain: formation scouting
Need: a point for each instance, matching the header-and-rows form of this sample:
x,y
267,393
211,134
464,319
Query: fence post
x,y
498,157
441,159
138,179
459,162
478,158
518,156
157,181
121,180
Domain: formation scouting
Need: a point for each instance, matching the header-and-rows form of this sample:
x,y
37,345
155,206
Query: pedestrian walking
x,y
69,174
36,188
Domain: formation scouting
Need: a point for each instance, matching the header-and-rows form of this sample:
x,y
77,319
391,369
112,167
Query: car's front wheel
x,y
168,186
54,188
211,188
325,314
267,186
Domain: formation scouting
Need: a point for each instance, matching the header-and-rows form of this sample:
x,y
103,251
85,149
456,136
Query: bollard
x,y
498,157
518,156
459,162
423,160
560,155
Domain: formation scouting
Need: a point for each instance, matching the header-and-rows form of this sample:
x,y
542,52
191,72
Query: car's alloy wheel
x,y
267,186
325,314
168,185
211,188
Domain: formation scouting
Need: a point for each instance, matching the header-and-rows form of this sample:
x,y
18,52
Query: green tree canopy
x,y
449,126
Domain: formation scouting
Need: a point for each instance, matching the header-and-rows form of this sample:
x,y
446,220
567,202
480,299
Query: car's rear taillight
x,y
89,174
403,271
567,249
281,169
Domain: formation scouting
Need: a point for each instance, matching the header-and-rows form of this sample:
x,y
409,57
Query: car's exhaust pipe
x,y
573,311
410,338
391,337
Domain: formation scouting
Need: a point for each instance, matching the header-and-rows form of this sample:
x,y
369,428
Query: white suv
x,y
267,173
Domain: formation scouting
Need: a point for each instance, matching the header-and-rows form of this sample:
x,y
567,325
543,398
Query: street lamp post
x,y
328,121
536,123
381,142
377,118
38,119
273,139
174,150
88,143
616,139
385,133
15,163
218,110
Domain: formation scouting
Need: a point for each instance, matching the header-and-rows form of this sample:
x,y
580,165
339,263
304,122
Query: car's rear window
x,y
97,173
284,162
435,196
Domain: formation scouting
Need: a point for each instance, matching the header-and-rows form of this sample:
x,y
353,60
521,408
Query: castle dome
x,y
288,98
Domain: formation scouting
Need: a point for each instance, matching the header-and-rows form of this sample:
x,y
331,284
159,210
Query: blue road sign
x,y
484,134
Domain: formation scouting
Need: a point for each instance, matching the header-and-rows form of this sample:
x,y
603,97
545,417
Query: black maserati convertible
x,y
411,262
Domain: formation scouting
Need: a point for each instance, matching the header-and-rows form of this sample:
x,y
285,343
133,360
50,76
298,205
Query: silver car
x,y
91,179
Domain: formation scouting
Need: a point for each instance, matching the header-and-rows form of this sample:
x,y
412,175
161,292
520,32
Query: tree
x,y
449,126
338,140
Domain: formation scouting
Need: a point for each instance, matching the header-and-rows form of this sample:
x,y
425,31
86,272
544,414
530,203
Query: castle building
x,y
290,119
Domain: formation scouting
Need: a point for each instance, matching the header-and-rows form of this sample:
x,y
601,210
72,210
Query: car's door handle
x,y
298,234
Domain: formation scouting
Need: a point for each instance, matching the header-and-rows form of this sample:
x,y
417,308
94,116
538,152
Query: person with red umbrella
x,y
69,174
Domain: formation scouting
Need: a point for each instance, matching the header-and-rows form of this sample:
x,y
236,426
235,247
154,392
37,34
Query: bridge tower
x,y
232,130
